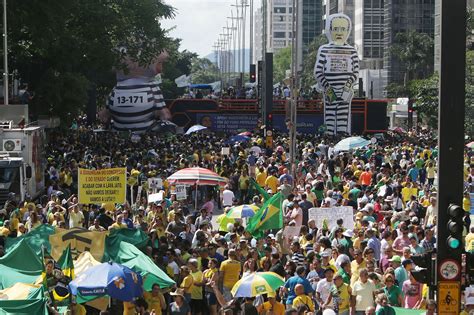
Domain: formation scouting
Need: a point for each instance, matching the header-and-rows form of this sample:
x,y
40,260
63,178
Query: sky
x,y
198,23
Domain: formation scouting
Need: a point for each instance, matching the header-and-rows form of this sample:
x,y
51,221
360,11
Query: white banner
x,y
181,192
155,197
331,215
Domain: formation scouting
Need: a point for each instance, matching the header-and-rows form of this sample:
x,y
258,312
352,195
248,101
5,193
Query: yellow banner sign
x,y
102,186
81,241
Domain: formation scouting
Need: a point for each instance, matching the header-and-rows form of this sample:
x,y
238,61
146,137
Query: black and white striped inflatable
x,y
132,104
336,70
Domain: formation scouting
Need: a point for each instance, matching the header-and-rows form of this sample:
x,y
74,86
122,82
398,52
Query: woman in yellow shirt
x,y
187,283
210,276
155,299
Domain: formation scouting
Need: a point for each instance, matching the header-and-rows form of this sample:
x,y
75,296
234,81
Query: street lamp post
x,y
5,54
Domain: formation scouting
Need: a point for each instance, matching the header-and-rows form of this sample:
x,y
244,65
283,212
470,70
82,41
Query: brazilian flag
x,y
268,217
66,264
257,187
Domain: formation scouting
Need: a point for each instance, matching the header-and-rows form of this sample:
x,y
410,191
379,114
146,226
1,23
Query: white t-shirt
x,y
174,266
227,197
75,218
324,289
364,293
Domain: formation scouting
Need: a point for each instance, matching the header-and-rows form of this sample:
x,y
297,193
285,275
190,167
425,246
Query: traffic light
x,y
424,273
455,228
253,73
269,122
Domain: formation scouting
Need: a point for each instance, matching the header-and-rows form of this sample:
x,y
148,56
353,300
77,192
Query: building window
x,y
279,10
279,35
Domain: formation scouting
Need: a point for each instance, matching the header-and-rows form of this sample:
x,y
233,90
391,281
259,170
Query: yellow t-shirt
x,y
261,178
355,269
187,284
118,226
209,273
466,204
154,302
129,308
196,292
277,309
4,231
345,298
231,270
272,183
303,300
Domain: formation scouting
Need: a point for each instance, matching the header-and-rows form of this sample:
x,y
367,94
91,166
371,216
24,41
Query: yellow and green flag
x,y
66,264
268,217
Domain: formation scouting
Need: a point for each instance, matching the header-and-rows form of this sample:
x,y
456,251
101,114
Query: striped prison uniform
x,y
132,104
337,66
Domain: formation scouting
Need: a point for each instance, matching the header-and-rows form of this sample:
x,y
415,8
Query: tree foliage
x,y
282,62
64,48
416,51
307,75
203,71
179,63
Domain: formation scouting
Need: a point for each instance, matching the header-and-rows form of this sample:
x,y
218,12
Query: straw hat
x,y
178,292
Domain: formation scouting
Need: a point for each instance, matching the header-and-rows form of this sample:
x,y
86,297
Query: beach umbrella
x,y
243,211
117,281
196,176
257,283
351,143
470,145
195,128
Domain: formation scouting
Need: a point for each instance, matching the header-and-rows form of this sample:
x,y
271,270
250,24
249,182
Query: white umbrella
x,y
195,128
351,143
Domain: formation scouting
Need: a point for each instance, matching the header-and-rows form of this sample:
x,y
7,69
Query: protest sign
x,y
102,186
180,192
331,215
155,197
155,183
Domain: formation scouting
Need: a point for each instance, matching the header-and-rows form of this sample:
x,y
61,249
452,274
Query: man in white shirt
x,y
76,217
323,288
227,197
363,292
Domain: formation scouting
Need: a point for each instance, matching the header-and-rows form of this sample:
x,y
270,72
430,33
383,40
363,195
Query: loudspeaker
x,y
377,119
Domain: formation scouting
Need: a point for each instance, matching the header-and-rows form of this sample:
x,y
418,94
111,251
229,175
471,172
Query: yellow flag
x,y
80,240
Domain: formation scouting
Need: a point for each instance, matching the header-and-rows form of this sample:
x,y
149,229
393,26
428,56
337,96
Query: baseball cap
x,y
395,258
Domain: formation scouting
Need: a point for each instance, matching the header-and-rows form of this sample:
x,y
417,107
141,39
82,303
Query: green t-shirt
x,y
346,278
393,294
386,310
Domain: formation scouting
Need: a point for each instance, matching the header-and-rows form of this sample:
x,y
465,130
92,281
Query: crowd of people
x,y
391,187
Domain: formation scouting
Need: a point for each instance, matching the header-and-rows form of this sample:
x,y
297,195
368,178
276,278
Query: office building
x,y
403,16
368,27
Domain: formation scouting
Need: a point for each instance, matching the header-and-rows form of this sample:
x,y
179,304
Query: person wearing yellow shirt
x,y
197,299
272,183
272,306
230,273
302,299
261,176
187,282
222,221
5,229
129,308
356,266
155,299
118,224
466,202
470,241
210,276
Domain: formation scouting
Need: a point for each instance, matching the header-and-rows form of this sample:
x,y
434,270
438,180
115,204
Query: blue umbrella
x,y
238,138
195,128
351,143
114,280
